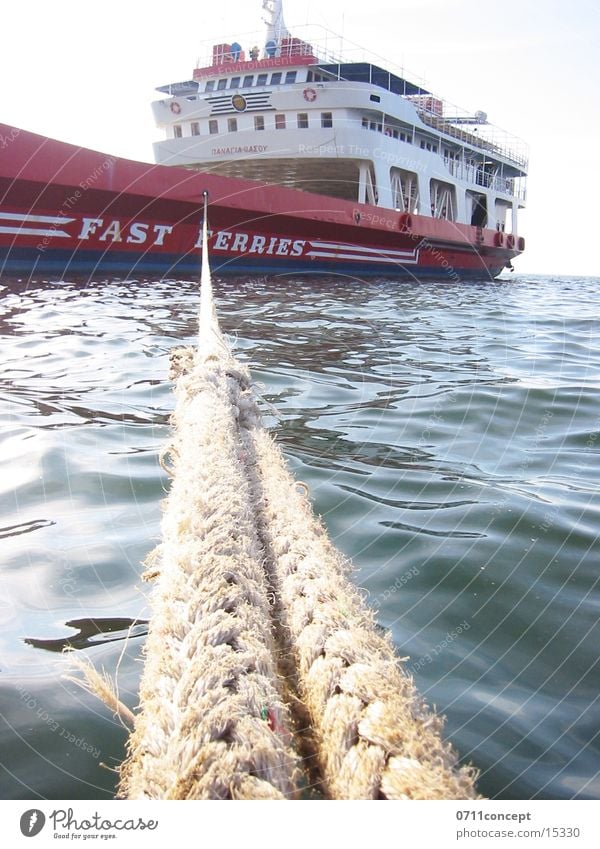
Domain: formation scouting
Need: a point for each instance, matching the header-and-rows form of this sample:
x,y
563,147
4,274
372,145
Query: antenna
x,y
276,28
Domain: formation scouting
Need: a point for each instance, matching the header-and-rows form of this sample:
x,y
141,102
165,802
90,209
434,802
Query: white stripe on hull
x,y
363,250
408,259
29,231
35,219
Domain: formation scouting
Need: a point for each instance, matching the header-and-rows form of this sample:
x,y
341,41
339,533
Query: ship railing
x,y
476,174
480,135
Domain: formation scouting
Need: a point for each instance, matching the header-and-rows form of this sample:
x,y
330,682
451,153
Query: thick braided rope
x,y
375,737
212,723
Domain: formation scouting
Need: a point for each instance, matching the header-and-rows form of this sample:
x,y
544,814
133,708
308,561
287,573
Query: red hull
x,y
65,209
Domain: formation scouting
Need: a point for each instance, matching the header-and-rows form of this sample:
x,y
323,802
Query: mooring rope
x,y
264,673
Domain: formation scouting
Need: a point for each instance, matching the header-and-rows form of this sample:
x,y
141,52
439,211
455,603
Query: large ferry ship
x,y
315,158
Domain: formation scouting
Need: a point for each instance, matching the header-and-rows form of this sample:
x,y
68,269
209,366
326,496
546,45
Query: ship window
x,y
395,133
210,85
235,82
379,128
177,132
280,122
303,120
290,77
261,79
232,125
309,77
221,85
213,127
276,78
259,122
326,119
372,125
365,123
248,81
375,98
195,128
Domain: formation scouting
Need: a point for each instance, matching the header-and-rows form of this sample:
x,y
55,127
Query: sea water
x,y
450,437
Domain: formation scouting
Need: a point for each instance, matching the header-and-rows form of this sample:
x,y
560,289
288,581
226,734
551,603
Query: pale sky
x,y
85,73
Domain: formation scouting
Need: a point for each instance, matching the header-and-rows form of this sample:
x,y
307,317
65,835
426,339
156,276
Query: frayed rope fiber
x,y
264,673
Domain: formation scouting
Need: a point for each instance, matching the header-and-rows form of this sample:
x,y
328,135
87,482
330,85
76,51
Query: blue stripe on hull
x,y
64,263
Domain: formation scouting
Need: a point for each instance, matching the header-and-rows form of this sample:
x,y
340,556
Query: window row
x,y
277,78
215,126
394,132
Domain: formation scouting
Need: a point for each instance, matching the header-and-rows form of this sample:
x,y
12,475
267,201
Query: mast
x,y
276,28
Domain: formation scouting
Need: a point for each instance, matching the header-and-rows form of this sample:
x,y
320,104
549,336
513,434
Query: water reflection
x,y
93,632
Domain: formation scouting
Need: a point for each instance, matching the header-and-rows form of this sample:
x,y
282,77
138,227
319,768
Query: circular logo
x,y
32,822
175,108
310,94
238,102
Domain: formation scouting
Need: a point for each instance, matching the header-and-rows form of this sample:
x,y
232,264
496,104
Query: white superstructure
x,y
291,111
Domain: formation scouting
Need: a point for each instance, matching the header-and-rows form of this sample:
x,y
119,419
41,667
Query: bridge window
x,y
259,122
235,82
261,79
276,78
280,122
213,127
195,128
290,77
302,120
326,119
210,86
177,131
248,81
221,85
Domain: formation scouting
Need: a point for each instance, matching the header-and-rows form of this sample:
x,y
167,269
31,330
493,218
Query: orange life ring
x,y
310,95
175,108
499,239
406,222
510,241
